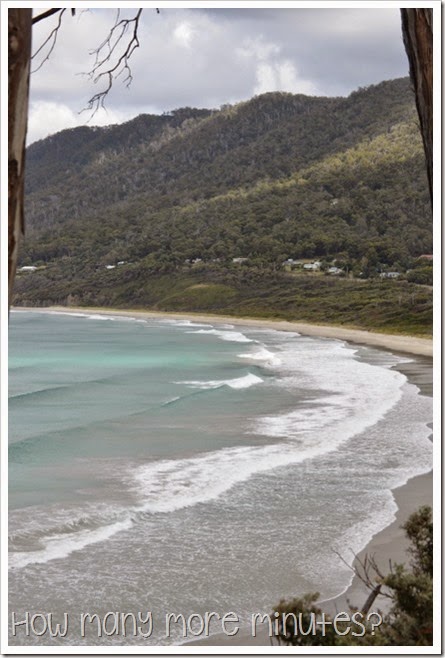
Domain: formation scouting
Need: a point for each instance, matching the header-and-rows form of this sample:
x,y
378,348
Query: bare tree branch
x,y
105,52
45,14
111,57
371,598
50,39
369,573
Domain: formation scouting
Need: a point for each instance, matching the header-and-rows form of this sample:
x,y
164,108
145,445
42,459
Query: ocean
x,y
182,467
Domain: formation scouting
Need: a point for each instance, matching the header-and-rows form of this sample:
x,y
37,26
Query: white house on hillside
x,y
315,266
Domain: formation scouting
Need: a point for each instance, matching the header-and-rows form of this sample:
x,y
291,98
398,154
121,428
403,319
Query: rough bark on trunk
x,y
417,31
19,54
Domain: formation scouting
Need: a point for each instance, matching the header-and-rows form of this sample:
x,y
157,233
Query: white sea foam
x,y
233,336
347,398
165,486
98,316
168,485
189,323
261,353
185,323
171,401
74,315
350,395
88,316
61,545
115,318
238,383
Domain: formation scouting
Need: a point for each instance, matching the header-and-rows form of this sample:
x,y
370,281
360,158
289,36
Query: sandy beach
x,y
389,544
398,343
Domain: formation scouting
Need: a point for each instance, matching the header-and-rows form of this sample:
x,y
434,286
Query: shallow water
x,y
175,466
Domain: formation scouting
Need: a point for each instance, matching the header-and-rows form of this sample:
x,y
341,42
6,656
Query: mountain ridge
x,y
278,177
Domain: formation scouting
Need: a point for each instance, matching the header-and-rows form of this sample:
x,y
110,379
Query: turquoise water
x,y
179,466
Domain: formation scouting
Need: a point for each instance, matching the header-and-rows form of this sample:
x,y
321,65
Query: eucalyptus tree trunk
x,y
417,31
19,55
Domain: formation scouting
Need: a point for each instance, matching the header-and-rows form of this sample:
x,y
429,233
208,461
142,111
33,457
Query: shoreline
x,y
390,543
395,342
387,545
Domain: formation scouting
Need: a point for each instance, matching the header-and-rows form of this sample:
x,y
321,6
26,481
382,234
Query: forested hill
x,y
278,177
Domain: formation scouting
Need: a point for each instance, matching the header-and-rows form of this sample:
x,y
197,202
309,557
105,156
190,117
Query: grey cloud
x,y
206,57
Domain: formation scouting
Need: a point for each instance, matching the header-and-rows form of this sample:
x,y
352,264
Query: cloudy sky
x,y
208,57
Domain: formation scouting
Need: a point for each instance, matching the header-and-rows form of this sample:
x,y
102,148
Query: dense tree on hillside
x,y
154,185
278,177
20,22
19,54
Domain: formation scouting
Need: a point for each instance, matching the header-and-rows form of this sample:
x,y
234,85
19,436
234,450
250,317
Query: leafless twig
x,y
50,39
104,54
368,571
111,57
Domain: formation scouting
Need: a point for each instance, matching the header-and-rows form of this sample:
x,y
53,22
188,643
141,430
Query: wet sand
x,y
388,545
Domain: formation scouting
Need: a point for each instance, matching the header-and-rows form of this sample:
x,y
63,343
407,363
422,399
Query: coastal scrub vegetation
x,y
203,209
391,307
409,620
